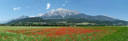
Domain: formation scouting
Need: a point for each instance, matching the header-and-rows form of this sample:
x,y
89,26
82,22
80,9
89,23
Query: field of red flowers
x,y
56,34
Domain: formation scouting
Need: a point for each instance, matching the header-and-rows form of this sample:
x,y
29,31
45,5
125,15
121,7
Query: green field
x,y
53,33
23,27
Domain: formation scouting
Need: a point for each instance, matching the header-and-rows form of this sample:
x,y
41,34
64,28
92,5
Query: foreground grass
x,y
24,27
121,34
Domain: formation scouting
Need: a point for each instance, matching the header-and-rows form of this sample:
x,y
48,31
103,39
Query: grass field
x,y
93,33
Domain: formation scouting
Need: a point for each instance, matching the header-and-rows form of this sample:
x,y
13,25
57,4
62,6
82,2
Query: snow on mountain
x,y
40,15
61,12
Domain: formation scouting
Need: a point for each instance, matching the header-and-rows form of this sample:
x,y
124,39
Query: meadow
x,y
63,33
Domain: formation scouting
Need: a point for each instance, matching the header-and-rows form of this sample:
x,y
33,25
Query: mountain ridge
x,y
61,15
65,13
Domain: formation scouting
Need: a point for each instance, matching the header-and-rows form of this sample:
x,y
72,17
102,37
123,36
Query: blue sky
x,y
10,9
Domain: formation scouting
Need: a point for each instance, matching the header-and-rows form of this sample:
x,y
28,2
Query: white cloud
x,y
48,5
63,4
17,8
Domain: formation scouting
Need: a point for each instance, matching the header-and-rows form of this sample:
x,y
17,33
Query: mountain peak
x,y
61,12
61,9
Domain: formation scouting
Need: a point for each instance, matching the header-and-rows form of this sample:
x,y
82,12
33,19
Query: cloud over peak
x,y
17,8
48,5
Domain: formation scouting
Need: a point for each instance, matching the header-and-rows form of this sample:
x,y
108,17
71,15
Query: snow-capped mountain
x,y
61,13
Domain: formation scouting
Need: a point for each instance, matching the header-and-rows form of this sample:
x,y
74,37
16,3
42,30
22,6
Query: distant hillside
x,y
72,20
69,21
29,20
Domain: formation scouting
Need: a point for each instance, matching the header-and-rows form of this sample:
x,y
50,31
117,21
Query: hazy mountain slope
x,y
25,20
